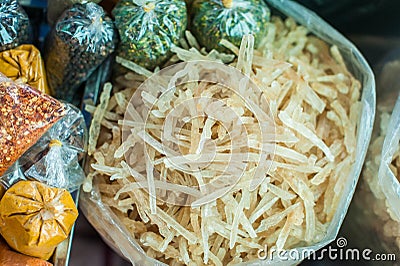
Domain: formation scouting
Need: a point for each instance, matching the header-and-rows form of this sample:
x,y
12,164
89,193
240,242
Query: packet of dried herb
x,y
148,29
81,40
15,28
213,20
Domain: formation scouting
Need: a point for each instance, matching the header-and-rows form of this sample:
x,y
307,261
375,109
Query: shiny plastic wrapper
x,y
148,30
119,236
56,7
35,218
229,19
25,115
25,64
81,40
57,153
15,28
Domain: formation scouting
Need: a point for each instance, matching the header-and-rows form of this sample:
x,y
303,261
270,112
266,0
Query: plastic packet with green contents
x,y
148,29
214,20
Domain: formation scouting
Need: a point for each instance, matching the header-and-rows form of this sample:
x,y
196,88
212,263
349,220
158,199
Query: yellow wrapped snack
x,y
25,64
35,218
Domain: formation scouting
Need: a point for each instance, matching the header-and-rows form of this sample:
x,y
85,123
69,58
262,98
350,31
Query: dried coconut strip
x,y
205,233
244,221
153,240
281,193
134,67
245,57
284,234
320,177
307,133
183,250
230,46
191,238
261,209
98,115
311,97
107,115
215,259
276,218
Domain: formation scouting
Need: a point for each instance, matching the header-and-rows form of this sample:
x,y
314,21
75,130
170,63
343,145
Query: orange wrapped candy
x,y
35,218
25,65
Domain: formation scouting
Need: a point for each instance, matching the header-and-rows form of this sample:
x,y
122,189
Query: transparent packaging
x,y
82,38
56,7
120,238
229,19
25,115
57,153
149,29
15,28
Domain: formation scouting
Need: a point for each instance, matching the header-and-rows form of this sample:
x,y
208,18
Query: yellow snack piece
x,y
35,218
25,65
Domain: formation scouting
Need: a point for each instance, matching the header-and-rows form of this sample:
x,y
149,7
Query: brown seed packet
x,y
25,115
25,65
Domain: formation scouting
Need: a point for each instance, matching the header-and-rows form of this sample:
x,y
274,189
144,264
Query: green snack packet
x,y
148,29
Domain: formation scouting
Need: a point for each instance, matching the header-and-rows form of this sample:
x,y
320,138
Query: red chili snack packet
x,y
25,115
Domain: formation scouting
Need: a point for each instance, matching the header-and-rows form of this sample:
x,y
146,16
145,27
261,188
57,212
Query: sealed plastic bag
x,y
15,27
25,115
59,150
56,7
25,65
35,218
230,230
229,19
81,40
375,208
149,29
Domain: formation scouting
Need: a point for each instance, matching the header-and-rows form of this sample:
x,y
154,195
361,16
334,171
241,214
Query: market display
x,y
315,105
14,25
35,218
82,38
230,20
25,115
164,180
24,64
148,30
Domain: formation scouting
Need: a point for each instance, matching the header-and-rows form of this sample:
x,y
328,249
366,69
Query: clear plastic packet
x,y
25,115
82,38
104,213
54,159
25,65
15,28
149,29
229,19
10,177
56,7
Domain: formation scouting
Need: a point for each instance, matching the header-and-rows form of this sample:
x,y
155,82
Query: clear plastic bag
x,y
148,29
57,153
56,7
25,115
229,19
15,28
81,40
121,238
